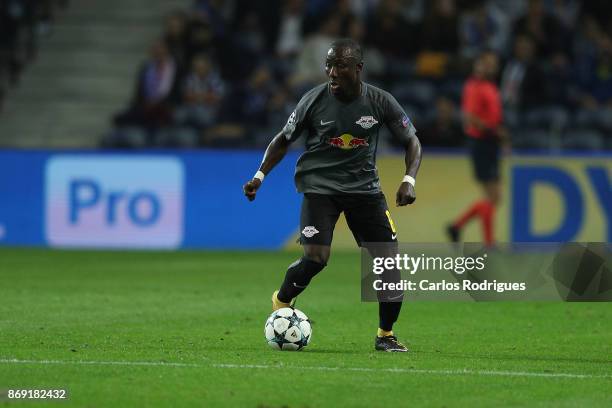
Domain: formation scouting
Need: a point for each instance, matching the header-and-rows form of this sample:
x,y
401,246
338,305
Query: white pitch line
x,y
313,368
421,371
85,362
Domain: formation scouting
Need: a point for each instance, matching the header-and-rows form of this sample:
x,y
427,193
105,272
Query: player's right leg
x,y
317,221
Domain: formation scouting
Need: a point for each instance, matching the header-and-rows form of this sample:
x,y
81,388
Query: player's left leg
x,y
300,273
369,219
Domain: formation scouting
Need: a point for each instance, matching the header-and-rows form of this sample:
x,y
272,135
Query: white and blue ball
x,y
288,329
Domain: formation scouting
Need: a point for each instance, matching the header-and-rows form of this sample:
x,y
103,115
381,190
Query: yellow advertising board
x,y
545,198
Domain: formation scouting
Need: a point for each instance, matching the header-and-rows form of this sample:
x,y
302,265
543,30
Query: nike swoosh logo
x,y
298,286
326,123
395,297
393,236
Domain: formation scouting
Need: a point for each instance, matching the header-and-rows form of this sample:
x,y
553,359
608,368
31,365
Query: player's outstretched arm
x,y
406,132
276,150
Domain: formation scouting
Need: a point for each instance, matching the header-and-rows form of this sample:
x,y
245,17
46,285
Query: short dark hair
x,y
350,44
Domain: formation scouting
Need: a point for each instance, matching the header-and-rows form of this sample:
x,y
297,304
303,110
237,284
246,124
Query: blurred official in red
x,y
482,117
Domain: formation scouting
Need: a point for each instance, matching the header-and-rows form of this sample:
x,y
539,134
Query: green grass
x,y
208,309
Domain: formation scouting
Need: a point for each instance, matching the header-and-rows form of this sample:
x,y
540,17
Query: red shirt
x,y
481,99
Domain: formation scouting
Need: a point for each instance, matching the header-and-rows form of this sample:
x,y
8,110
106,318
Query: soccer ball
x,y
288,329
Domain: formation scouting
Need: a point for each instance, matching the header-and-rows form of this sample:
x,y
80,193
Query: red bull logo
x,y
347,141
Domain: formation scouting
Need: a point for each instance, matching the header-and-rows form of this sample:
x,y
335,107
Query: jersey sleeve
x,y
297,120
398,123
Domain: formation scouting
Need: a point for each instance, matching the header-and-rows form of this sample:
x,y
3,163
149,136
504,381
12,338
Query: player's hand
x,y
251,187
405,194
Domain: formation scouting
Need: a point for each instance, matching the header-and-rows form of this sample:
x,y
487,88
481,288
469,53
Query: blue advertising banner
x,y
143,200
194,199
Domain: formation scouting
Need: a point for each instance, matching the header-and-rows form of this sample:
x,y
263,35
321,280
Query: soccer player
x,y
482,115
337,173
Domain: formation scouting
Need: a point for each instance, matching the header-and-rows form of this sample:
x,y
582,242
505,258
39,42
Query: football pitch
x,y
159,329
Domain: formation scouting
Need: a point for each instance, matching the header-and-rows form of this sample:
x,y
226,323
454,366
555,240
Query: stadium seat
x,y
420,93
261,137
182,137
605,120
589,118
550,117
511,118
584,118
452,89
132,137
583,139
531,138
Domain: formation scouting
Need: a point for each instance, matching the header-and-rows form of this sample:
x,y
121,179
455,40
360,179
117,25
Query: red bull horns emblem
x,y
347,141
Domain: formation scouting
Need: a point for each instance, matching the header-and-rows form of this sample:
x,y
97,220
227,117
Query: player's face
x,y
342,69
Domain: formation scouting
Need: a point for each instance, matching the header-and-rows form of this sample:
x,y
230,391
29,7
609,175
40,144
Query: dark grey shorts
x,y
367,215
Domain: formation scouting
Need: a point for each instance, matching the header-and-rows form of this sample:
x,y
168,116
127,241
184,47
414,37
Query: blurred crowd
x,y
21,23
229,72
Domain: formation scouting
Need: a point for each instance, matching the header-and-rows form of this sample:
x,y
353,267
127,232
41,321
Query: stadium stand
x,y
21,23
83,71
238,68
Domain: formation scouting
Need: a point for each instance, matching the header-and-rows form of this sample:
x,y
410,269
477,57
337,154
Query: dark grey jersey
x,y
341,139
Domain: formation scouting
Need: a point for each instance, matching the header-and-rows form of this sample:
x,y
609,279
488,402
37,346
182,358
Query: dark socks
x,y
388,312
298,276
